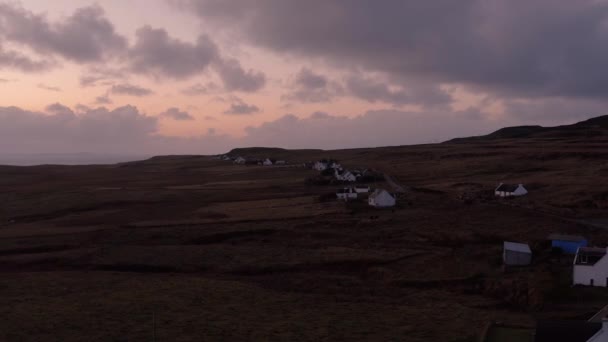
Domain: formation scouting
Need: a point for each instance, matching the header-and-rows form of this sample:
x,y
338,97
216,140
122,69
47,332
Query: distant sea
x,y
66,159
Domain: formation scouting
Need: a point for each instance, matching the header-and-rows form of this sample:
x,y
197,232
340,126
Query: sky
x,y
204,76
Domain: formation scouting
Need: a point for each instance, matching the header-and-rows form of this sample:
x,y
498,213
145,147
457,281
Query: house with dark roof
x,y
568,244
510,190
590,267
346,194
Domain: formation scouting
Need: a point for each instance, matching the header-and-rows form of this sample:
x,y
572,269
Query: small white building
x,y
381,198
267,162
516,254
510,190
240,160
602,334
590,267
360,189
346,194
319,166
344,175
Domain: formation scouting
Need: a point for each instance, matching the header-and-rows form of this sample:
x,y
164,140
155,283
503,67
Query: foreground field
x,y
193,248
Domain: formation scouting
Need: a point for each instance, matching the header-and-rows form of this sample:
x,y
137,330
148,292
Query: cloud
x,y
85,36
311,87
235,78
16,60
373,90
374,128
95,74
49,88
156,53
175,114
540,48
201,89
130,89
239,107
103,99
123,130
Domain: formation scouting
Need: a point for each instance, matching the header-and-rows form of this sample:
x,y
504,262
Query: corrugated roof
x,y
517,247
563,237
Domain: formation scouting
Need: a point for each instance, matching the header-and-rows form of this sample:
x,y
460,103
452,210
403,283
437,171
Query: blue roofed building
x,y
569,244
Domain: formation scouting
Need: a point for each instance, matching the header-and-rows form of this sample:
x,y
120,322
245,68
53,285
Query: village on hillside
x,y
589,264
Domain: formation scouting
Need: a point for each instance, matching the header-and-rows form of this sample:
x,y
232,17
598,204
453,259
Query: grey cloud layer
x,y
176,114
130,89
515,49
239,107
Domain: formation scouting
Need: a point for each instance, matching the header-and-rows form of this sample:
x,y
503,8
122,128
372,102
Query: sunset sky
x,y
204,76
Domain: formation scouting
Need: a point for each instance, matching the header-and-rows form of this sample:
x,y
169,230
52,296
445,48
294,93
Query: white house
x,y
590,267
344,175
510,190
516,254
267,162
240,160
380,198
362,189
320,166
346,194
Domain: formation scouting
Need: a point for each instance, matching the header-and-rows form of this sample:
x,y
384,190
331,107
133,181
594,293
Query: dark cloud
x,y
201,89
123,130
156,53
235,78
103,99
48,87
16,60
537,48
239,107
374,128
372,90
85,36
130,89
308,86
176,114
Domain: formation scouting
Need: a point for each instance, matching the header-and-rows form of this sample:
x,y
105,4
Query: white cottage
x,y
346,194
510,190
267,162
516,254
590,267
344,175
240,160
381,198
320,166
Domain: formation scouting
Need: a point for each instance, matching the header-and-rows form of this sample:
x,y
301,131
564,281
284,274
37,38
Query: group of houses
x,y
590,265
252,161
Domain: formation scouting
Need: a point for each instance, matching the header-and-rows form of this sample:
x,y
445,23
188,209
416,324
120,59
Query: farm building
x,y
360,189
516,254
240,160
590,267
381,198
568,244
344,175
267,162
510,190
346,194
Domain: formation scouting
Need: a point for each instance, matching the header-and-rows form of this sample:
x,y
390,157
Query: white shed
x,y
344,175
510,190
381,198
267,162
516,254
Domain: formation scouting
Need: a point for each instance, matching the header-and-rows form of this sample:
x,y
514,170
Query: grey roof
x,y
507,187
564,237
517,247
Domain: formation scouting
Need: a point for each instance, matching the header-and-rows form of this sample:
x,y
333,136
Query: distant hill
x,y
591,127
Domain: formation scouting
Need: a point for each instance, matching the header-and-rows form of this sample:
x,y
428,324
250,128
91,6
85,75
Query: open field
x,y
215,251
